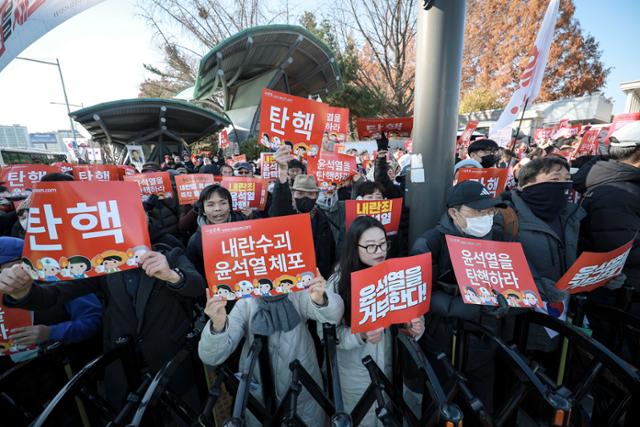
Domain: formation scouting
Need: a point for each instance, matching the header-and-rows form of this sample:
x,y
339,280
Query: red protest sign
x,y
408,145
64,167
619,120
286,117
84,229
96,173
189,187
337,126
567,131
10,319
18,178
259,257
593,270
268,166
240,158
388,212
494,179
463,141
223,139
332,168
246,192
157,183
542,135
399,126
339,148
588,144
126,170
485,268
395,291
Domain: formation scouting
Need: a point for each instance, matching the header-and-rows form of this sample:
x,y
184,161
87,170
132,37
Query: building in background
x,y
632,90
15,136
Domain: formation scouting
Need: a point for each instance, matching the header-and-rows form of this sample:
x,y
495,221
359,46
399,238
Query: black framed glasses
x,y
372,249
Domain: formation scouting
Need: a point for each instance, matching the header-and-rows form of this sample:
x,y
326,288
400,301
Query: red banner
x,y
332,168
337,126
485,268
588,144
268,166
463,141
18,178
96,173
64,167
157,183
240,158
395,291
259,257
371,128
223,140
619,120
593,270
247,192
494,179
286,117
189,187
84,229
10,319
388,212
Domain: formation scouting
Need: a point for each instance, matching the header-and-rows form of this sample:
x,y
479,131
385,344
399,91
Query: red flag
x,y
395,291
259,257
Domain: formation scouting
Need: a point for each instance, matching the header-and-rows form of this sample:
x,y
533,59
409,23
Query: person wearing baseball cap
x,y
470,211
612,202
243,169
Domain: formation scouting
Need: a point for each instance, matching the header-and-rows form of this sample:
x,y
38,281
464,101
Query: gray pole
x,y
438,71
66,101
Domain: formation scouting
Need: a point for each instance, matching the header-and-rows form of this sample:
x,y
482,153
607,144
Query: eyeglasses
x,y
242,172
372,249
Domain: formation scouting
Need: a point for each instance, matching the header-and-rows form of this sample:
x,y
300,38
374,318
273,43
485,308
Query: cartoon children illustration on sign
x,y
109,261
300,149
304,280
285,284
471,296
225,292
76,266
244,289
513,298
135,254
264,287
26,263
48,269
529,299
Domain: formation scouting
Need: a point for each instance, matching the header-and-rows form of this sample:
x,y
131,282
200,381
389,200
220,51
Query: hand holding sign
x,y
416,327
215,309
317,289
15,282
156,265
374,336
30,335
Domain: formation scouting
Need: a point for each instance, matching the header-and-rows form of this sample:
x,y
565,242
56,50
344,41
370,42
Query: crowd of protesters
x,y
156,304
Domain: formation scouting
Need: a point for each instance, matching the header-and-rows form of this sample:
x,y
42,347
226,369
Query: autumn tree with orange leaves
x,y
498,36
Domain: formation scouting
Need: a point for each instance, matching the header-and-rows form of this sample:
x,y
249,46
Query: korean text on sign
x,y
268,166
494,179
388,212
400,126
18,178
10,319
96,173
337,125
189,186
485,269
246,192
156,183
259,257
84,229
395,291
285,117
593,270
332,168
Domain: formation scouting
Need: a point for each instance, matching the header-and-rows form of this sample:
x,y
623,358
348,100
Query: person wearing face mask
x,y
214,206
366,246
8,216
470,213
482,154
541,218
301,197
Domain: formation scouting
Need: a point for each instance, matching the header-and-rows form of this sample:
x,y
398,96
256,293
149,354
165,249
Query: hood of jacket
x,y
612,171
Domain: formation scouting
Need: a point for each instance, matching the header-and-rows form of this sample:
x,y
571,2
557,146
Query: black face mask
x,y
488,161
305,204
547,200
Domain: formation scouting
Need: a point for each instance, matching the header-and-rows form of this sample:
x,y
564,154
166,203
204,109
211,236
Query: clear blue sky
x,y
102,51
615,24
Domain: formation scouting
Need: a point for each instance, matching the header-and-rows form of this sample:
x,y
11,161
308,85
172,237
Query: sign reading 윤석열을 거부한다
x,y
23,22
392,292
84,229
259,257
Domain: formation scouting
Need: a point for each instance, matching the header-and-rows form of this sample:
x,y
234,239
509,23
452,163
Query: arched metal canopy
x,y
288,57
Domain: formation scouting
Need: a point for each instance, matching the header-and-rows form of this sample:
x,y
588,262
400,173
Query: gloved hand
x,y
549,292
500,311
616,282
383,142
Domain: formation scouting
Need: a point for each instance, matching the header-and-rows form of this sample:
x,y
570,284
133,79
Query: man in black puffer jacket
x,y
612,202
